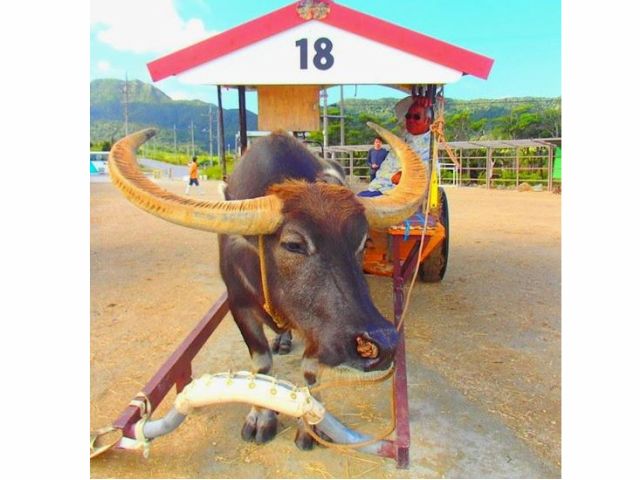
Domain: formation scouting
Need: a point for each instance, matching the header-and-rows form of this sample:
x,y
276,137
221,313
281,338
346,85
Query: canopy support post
x,y
220,133
242,107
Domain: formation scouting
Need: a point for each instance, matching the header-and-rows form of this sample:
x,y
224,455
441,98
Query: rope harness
x,y
143,404
437,127
268,306
283,324
345,383
430,201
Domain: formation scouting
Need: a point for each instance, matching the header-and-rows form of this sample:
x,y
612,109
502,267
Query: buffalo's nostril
x,y
366,348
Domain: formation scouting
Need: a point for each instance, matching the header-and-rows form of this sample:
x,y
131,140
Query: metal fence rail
x,y
490,163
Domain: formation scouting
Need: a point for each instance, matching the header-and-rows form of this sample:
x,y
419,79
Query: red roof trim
x,y
341,17
409,41
225,42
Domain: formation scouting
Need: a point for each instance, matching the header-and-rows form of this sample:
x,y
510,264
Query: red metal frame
x,y
176,370
402,271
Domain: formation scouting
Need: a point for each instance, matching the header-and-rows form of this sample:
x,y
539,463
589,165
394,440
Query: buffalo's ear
x,y
332,173
331,176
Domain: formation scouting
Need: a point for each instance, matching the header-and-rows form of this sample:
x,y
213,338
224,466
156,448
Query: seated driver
x,y
417,135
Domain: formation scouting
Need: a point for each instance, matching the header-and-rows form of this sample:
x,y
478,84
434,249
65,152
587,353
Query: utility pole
x,y
210,133
220,134
193,151
175,140
126,104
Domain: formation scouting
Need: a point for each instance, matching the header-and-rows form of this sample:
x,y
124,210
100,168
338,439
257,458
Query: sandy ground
x,y
483,349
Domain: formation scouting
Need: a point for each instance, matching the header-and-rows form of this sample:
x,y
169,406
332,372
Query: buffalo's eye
x,y
295,247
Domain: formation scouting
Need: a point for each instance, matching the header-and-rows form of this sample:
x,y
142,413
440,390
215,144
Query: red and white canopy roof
x,y
319,42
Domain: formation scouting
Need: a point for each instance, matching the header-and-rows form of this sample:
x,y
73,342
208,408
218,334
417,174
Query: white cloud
x,y
191,95
180,95
104,66
142,26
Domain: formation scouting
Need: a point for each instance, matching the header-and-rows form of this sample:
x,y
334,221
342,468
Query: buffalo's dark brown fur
x,y
318,201
313,269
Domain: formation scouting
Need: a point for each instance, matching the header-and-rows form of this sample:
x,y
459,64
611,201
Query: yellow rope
x,y
267,306
94,448
336,383
437,127
143,405
375,438
344,383
405,307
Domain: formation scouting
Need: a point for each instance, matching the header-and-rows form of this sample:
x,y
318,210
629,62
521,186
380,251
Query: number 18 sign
x,y
316,53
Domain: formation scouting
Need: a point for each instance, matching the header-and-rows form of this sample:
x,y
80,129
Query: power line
x,y
500,102
479,102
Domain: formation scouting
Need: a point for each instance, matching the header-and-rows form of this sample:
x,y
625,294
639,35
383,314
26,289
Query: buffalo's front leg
x,y
261,424
310,370
282,343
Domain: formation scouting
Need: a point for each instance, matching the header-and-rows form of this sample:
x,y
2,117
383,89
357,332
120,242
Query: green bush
x,y
446,175
167,157
215,172
507,177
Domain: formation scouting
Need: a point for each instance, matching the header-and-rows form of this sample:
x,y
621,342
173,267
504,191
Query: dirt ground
x,y
483,349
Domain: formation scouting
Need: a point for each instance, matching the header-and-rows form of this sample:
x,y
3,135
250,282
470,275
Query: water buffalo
x,y
291,240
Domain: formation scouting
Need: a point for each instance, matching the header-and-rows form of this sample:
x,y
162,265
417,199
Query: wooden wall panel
x,y
288,107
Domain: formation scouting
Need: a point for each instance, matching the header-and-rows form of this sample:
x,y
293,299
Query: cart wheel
x,y
434,267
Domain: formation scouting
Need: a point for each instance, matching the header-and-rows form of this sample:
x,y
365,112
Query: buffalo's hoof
x,y
260,425
282,343
304,441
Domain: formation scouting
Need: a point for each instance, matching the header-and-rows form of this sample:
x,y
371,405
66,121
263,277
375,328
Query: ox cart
x,y
288,57
422,240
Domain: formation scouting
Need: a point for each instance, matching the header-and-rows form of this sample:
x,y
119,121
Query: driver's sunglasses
x,y
415,116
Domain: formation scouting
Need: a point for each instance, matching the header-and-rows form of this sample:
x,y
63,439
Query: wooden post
x,y
325,122
489,160
517,167
341,116
351,168
549,169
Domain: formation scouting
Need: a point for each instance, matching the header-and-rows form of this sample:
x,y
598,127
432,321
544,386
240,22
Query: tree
x,y
458,126
515,124
551,124
105,146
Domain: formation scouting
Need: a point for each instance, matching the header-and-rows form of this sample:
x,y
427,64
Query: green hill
x,y
111,90
148,106
508,118
519,117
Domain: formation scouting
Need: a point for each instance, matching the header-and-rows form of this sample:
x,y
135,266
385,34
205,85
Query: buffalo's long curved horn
x,y
254,216
403,200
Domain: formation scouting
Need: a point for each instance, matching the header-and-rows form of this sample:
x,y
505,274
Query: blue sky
x,y
522,36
